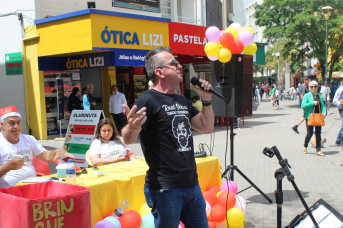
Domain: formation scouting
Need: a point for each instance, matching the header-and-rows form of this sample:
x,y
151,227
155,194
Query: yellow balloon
x,y
250,49
219,193
211,48
145,209
233,31
248,29
224,55
235,217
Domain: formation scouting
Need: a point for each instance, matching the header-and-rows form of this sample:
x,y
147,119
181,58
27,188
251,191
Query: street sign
x,y
259,56
13,63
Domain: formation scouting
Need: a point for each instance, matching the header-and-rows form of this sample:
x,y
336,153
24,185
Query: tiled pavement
x,y
316,177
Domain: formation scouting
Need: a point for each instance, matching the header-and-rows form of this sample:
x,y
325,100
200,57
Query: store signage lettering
x,y
189,39
131,38
83,63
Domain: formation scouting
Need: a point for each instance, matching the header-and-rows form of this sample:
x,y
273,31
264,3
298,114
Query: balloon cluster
x,y
131,219
222,203
233,40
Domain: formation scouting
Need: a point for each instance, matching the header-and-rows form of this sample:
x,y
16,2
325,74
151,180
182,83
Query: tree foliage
x,y
301,26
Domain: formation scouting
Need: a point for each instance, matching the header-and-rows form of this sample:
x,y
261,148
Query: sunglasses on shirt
x,y
313,87
173,63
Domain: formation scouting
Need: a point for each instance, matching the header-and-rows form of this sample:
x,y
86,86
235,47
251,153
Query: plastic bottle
x,y
71,173
121,209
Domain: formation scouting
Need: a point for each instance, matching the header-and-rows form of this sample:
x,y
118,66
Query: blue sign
x,y
130,57
103,59
60,99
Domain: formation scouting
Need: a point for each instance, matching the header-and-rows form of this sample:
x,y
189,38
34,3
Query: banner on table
x,y
80,133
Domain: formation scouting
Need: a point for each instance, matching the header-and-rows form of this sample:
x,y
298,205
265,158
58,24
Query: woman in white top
x,y
107,146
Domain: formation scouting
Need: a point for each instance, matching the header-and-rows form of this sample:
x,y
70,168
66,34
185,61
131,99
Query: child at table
x,y
108,147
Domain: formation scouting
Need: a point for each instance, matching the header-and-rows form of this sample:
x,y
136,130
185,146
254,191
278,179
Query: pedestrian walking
x,y
277,97
325,91
257,93
88,101
266,90
338,101
313,102
303,90
117,110
74,102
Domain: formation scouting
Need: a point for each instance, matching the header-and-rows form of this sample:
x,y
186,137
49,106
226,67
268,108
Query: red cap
x,y
9,111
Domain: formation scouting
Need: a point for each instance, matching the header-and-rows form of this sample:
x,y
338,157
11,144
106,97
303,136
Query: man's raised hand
x,y
135,119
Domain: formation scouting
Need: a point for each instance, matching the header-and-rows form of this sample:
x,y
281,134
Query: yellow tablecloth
x,y
125,181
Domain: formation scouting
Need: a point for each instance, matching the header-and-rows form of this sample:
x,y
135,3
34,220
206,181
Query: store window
x,y
71,79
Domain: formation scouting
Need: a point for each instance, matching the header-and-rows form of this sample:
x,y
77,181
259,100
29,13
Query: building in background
x,y
68,39
250,21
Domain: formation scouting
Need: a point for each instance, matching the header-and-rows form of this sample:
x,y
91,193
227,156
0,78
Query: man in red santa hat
x,y
17,150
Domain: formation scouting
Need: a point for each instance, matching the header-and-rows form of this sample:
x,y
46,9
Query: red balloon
x,y
227,198
237,47
218,213
210,197
211,223
214,189
130,219
227,40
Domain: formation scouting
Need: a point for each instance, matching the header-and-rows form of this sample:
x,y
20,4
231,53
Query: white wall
x,y
250,21
57,7
12,87
238,12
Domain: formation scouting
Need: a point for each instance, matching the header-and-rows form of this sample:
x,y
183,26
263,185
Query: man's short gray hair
x,y
152,61
90,85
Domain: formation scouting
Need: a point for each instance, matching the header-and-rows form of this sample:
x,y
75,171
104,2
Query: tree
x,y
301,25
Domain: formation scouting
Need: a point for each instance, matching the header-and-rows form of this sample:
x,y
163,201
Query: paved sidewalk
x,y
316,177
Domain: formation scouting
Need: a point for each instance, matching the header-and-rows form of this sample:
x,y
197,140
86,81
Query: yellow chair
x,y
88,159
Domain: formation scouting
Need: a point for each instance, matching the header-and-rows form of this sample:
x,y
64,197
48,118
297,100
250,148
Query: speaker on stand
x,y
233,80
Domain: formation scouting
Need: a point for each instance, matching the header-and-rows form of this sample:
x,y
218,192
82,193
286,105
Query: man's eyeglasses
x,y
173,63
313,87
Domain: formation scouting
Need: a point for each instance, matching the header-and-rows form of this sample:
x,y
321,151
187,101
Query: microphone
x,y
195,81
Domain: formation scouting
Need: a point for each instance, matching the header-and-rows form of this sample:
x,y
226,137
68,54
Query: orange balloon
x,y
130,219
218,213
227,199
214,189
211,223
211,198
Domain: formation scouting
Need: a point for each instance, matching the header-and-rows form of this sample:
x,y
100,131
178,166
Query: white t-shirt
x,y
325,91
108,150
27,146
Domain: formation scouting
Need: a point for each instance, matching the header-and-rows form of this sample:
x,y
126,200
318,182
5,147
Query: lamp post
x,y
327,13
278,65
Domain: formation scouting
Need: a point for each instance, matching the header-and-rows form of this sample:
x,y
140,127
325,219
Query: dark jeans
x,y
309,135
119,120
277,102
169,206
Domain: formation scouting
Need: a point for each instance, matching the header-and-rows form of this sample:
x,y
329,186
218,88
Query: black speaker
x,y
234,81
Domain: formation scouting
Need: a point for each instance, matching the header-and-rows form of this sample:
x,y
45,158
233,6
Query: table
x,y
125,181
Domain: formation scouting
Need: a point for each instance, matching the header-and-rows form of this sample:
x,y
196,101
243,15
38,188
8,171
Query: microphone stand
x,y
279,175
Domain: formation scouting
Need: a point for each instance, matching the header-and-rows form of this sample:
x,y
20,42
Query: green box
x,y
13,63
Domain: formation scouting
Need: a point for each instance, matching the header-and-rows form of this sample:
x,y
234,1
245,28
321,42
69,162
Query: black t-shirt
x,y
167,141
316,108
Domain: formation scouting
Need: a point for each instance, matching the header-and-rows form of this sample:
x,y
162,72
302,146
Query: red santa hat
x,y
9,111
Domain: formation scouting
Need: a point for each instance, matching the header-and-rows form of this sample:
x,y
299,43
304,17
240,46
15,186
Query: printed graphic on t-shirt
x,y
21,154
112,151
182,131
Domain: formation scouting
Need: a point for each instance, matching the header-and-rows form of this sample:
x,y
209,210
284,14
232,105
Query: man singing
x,y
171,185
17,150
